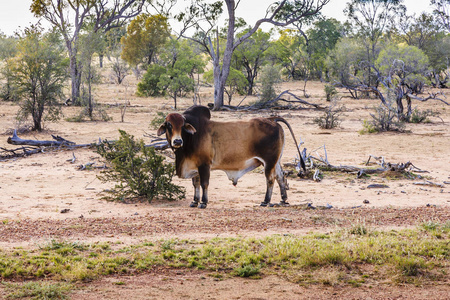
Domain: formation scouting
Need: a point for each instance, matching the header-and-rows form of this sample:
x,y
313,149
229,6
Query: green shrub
x,y
158,120
330,91
421,116
270,80
247,271
139,171
149,83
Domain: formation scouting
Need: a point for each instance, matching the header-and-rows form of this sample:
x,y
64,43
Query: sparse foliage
x,y
422,116
120,69
38,76
330,119
250,56
385,118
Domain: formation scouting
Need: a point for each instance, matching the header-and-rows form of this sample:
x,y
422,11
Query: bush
x,y
139,171
270,79
421,116
158,120
384,119
330,119
148,87
330,91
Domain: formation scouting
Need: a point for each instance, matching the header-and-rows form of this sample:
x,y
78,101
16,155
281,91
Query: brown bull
x,y
202,145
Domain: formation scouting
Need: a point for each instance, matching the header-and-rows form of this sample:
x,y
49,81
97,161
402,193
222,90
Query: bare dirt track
x,y
34,190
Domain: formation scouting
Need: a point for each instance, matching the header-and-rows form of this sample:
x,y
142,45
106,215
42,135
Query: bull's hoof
x,y
193,204
284,203
202,205
264,204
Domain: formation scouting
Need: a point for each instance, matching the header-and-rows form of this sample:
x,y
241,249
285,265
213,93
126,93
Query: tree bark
x,y
15,140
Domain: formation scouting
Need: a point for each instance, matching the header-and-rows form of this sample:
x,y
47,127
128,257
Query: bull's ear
x,y
189,128
161,129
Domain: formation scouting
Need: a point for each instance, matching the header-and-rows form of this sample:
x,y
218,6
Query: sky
x,y
15,14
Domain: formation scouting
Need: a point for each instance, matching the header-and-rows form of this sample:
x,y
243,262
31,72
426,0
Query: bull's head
x,y
173,127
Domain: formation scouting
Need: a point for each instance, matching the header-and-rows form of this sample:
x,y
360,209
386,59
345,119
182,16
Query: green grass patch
x,y
419,254
37,290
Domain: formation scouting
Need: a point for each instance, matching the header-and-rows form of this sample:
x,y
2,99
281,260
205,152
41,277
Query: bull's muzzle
x,y
177,143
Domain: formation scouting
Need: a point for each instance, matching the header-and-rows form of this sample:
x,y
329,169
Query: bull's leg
x,y
204,173
196,184
282,182
270,179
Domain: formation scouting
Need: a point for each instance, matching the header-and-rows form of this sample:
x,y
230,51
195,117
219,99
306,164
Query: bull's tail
x,y
282,120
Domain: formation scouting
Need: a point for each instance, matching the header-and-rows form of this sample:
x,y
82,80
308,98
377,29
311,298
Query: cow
x,y
201,145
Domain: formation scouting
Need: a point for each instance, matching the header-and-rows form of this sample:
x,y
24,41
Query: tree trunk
x,y
75,76
90,104
221,75
100,60
219,85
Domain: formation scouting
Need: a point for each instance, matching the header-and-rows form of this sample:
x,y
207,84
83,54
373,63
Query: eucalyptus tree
x,y
69,16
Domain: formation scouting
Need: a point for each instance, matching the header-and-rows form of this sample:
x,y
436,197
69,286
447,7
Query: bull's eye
x,y
169,126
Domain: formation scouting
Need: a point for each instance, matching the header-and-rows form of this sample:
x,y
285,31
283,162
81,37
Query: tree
x,y
442,10
288,51
344,63
69,16
203,18
175,74
89,43
404,68
145,35
439,54
322,36
39,74
236,82
418,31
425,32
400,72
370,19
250,56
8,49
148,86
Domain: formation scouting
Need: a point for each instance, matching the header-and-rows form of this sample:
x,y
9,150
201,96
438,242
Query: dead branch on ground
x,y
320,162
30,147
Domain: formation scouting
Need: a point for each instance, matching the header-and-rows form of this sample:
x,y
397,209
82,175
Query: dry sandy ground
x,y
36,189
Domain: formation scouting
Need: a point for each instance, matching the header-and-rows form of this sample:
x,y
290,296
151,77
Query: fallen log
x,y
30,147
57,142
